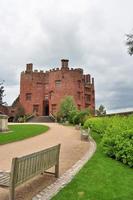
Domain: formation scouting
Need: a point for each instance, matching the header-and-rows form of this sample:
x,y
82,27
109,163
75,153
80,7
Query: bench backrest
x,y
28,166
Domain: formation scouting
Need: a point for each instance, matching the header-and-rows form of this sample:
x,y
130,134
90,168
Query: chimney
x,y
29,67
64,63
92,81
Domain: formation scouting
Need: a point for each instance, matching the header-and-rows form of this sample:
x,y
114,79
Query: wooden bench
x,y
85,134
27,167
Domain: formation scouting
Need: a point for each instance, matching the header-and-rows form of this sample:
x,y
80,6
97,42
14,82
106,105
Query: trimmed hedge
x,y
117,136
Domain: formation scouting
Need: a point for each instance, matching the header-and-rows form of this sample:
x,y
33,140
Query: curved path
x,y
72,150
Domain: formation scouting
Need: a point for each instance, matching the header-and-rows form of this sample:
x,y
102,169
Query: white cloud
x,y
90,33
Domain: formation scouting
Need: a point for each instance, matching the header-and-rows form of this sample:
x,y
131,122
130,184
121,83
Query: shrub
x,y
66,107
119,146
117,136
97,124
81,116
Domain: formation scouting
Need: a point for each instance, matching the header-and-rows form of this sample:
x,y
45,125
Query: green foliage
x,y
67,106
97,124
117,136
1,93
20,113
81,116
129,43
72,114
101,111
21,132
69,112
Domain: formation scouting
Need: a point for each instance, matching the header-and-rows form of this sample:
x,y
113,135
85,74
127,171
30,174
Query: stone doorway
x,y
46,108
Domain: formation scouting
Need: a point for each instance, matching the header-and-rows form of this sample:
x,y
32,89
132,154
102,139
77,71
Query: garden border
x,y
61,182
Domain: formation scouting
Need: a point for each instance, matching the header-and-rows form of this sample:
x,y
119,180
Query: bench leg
x,y
57,170
12,193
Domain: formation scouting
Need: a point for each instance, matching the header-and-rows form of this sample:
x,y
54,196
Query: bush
x,y
97,124
67,106
81,116
117,136
119,146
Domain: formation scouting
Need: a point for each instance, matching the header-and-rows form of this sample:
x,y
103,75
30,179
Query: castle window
x,y
88,89
88,97
46,85
28,96
58,83
35,108
87,105
39,84
51,94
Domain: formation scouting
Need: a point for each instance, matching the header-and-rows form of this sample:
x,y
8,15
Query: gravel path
x,y
72,150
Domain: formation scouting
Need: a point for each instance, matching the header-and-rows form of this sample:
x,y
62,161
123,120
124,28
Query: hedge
x,y
117,136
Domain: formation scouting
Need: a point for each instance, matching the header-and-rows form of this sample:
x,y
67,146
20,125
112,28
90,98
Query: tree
x,y
129,43
81,116
1,93
20,112
66,107
101,111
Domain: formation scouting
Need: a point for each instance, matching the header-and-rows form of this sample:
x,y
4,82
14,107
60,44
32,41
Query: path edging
x,y
61,182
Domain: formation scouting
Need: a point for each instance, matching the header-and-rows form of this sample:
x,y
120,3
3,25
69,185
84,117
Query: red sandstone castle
x,y
41,92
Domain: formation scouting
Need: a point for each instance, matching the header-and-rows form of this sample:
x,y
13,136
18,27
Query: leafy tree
x,y
129,43
101,111
81,116
20,112
66,107
1,93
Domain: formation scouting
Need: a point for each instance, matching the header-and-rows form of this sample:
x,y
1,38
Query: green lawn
x,y
102,178
21,132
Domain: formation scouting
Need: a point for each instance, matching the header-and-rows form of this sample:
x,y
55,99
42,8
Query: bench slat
x,y
4,178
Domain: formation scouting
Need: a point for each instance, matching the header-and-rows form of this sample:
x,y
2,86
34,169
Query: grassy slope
x,y
100,179
22,131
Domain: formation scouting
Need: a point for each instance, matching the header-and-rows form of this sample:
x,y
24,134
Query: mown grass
x,y
21,132
102,178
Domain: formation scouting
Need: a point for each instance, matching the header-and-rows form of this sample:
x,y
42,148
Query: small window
x,y
28,96
51,94
87,105
39,84
58,83
88,90
88,97
46,85
35,108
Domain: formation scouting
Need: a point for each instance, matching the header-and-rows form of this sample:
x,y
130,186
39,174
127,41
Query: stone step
x,y
41,119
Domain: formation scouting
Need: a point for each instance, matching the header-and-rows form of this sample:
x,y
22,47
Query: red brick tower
x,y
41,92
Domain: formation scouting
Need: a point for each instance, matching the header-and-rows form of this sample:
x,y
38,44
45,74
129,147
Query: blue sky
x,y
91,34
